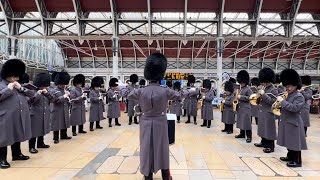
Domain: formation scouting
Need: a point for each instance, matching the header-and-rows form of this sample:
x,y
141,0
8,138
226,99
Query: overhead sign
x,y
176,76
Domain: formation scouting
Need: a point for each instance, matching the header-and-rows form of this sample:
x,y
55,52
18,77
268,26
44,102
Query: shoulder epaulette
x,y
164,86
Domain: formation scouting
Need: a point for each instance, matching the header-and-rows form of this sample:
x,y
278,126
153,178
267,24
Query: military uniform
x,y
206,109
228,115
96,100
114,105
307,94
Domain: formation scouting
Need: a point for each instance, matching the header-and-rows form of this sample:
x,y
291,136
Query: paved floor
x,y
199,154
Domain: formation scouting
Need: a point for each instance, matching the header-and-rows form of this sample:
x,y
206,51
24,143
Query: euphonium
x,y
255,98
276,105
235,101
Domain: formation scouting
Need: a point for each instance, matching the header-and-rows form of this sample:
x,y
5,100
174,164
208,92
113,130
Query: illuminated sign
x,y
176,76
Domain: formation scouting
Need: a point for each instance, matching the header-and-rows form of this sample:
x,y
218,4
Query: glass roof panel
x,y
203,28
133,15
137,26
197,15
304,16
305,30
272,29
66,15
32,15
103,28
25,26
100,15
59,26
173,28
236,28
237,16
270,16
168,15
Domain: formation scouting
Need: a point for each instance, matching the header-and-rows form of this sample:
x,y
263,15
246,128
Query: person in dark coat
x,y
133,80
78,109
228,115
60,107
40,112
192,100
267,124
113,95
96,100
255,83
15,126
290,130
142,83
307,94
175,107
153,100
185,103
206,109
244,107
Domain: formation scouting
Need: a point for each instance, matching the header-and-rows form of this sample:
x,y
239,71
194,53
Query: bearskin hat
x,y
53,76
79,79
255,81
113,82
176,85
243,77
97,82
155,67
13,67
277,81
228,86
134,78
267,75
290,77
191,79
142,82
233,80
24,79
306,80
206,84
42,80
169,84
62,78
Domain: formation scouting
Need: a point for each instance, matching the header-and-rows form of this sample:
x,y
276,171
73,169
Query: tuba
x,y
276,105
256,98
235,101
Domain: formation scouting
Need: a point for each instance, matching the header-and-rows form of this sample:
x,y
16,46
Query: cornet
x,y
256,97
312,87
276,105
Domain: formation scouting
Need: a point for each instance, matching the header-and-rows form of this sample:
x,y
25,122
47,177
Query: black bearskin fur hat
x,y
53,76
206,84
62,78
243,77
134,78
233,80
25,79
255,81
155,67
191,79
42,80
290,77
113,82
306,80
79,79
169,84
13,67
177,85
267,75
228,86
277,79
97,82
142,82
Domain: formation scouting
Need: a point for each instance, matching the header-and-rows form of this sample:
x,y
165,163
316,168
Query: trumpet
x,y
316,96
235,101
255,98
312,86
276,105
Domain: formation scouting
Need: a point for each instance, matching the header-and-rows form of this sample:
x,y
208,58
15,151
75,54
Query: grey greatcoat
x,y
154,142
96,107
281,89
291,128
78,109
131,103
254,109
267,123
40,114
244,109
15,122
192,102
176,107
228,115
59,109
305,111
113,105
206,109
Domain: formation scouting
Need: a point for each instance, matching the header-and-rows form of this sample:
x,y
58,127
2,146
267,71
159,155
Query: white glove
x,y
114,96
261,91
10,86
65,96
203,97
67,93
83,96
239,96
45,91
280,99
223,101
39,91
100,98
17,85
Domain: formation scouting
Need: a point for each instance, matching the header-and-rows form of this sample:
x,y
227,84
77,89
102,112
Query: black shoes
x,y
203,125
130,123
268,150
20,157
82,132
56,141
43,146
91,129
229,132
66,138
187,122
223,130
99,127
258,145
195,123
178,121
248,140
33,151
110,125
4,164
293,164
285,159
240,136
74,134
118,124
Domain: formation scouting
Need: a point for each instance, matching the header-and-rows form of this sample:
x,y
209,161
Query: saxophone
x,y
222,105
236,101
